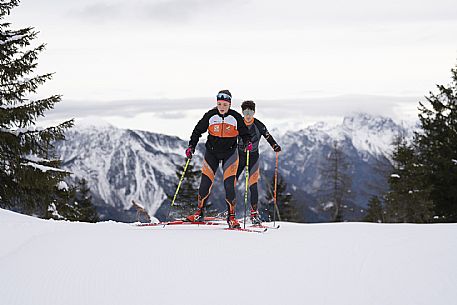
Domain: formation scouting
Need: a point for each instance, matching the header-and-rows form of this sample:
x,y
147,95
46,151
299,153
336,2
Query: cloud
x,y
269,12
293,109
162,11
127,108
388,11
99,12
339,105
178,117
249,14
179,11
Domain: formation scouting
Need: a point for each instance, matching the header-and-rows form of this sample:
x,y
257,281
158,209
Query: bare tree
x,y
335,194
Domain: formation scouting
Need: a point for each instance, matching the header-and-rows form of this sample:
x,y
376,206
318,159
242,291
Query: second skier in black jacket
x,y
256,129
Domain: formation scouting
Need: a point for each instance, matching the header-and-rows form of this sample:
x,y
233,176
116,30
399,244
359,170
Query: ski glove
x,y
248,146
189,152
276,148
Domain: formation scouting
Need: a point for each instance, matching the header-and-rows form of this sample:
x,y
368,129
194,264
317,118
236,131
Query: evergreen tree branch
x,y
6,7
12,70
13,93
22,116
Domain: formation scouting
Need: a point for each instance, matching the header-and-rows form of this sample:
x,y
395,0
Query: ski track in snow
x,y
58,262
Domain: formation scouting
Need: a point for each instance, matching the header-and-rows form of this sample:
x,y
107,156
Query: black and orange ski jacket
x,y
223,130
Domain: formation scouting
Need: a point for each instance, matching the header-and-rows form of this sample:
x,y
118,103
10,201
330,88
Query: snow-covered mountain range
x,y
121,164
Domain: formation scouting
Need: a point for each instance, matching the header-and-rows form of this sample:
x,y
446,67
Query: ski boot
x,y
197,216
255,217
232,222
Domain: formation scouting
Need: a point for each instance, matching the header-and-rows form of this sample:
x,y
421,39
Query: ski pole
x,y
276,210
247,187
179,185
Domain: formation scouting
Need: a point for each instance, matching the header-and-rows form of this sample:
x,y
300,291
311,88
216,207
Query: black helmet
x,y
224,95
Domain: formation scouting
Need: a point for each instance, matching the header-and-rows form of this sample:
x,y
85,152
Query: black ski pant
x,y
209,169
254,172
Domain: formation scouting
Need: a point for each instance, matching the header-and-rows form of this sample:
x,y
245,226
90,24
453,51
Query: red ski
x,y
262,226
246,230
181,222
202,223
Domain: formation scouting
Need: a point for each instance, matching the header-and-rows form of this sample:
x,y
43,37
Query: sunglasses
x,y
248,112
223,96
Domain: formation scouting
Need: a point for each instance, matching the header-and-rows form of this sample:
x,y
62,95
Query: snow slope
x,y
54,262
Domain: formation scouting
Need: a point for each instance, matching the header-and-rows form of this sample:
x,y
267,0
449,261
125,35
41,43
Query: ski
x,y
265,227
206,223
262,225
181,222
246,230
203,223
210,218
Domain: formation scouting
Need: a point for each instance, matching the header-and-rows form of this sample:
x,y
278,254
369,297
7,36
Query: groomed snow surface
x,y
64,263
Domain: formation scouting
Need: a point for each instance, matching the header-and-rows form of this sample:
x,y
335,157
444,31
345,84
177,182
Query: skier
x,y
256,129
224,125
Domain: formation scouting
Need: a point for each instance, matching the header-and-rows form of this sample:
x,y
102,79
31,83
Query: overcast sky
x,y
123,58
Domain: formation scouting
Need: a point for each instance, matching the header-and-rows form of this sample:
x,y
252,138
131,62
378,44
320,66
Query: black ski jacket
x,y
256,130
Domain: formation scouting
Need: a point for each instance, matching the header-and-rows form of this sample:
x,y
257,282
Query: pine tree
x,y
408,199
29,174
186,200
375,211
72,203
335,193
287,209
61,207
85,209
437,146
